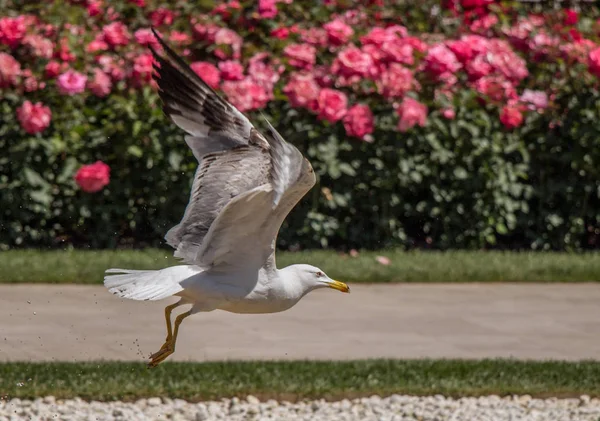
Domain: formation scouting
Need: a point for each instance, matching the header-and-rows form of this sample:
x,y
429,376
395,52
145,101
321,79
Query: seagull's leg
x,y
168,310
169,346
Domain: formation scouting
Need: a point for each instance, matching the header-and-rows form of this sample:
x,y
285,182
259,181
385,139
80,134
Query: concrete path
x,y
71,322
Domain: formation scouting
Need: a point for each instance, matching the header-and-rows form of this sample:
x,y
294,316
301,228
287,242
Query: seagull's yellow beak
x,y
340,286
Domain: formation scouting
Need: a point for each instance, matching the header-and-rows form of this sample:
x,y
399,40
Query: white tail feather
x,y
148,284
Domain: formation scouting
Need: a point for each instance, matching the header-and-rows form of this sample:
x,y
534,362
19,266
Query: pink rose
x,y
227,38
161,16
280,33
245,94
594,62
338,32
10,70
263,72
358,121
377,36
146,38
411,113
511,117
302,91
395,81
112,67
441,63
92,178
267,9
206,33
332,105
115,34
39,46
302,56
208,73
398,51
12,30
231,70
142,69
495,88
101,84
314,36
97,44
351,61
52,69
537,100
448,113
179,38
30,82
478,68
34,118
71,82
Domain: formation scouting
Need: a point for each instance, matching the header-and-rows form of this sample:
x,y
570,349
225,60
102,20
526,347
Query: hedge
x,y
460,124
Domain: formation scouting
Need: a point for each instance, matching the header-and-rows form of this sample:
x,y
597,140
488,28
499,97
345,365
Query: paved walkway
x,y
71,322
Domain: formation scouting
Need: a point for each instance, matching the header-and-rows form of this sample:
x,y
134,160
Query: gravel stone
x,y
374,408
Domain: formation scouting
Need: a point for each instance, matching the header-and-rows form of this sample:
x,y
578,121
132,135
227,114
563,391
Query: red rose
x,y
280,33
461,49
10,70
161,16
115,34
231,70
395,81
100,84
207,72
511,117
411,113
358,121
594,62
333,104
94,7
302,56
495,88
571,17
338,32
52,69
302,91
92,178
34,118
142,69
12,30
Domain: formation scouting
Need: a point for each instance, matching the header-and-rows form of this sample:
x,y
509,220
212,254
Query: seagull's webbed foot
x,y
169,346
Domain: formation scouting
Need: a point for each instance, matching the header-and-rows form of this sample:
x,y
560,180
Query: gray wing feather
x,y
245,184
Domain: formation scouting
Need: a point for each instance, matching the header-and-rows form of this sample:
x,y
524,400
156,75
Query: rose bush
x,y
471,125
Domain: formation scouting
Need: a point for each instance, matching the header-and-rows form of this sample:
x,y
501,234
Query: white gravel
x,y
393,408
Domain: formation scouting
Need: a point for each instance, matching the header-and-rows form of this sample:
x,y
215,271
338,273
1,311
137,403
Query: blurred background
x,y
466,124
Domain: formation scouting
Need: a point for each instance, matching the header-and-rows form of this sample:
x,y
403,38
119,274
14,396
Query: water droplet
x,y
28,301
35,313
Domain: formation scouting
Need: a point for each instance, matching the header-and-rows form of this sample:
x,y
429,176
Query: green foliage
x,y
463,183
88,266
106,381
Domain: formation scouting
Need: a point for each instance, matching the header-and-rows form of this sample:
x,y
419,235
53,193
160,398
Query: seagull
x,y
245,185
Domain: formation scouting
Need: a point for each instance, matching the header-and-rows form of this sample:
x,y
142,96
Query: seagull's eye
x,y
320,274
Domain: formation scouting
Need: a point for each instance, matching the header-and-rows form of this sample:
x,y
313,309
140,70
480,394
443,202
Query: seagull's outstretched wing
x,y
233,156
245,184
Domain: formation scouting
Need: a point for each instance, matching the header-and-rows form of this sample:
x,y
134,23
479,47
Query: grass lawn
x,y
299,380
87,267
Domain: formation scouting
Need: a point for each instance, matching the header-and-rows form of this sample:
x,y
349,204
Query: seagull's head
x,y
312,277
